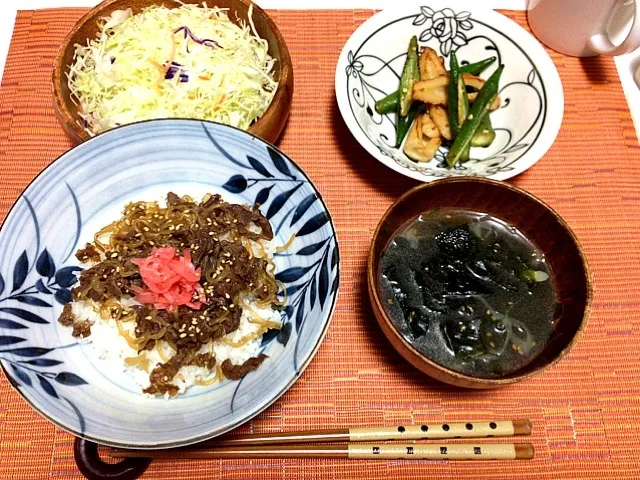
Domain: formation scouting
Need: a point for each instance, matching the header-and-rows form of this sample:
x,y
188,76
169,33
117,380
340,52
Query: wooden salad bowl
x,y
268,126
537,221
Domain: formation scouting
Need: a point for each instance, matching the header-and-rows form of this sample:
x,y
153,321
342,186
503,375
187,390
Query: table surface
x,y
585,411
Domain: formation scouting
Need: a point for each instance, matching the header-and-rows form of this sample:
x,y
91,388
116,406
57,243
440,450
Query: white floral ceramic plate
x,y
532,106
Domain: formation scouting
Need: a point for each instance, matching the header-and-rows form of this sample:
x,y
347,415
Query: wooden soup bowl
x,y
537,221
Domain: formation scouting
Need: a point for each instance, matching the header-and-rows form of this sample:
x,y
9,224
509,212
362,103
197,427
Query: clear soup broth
x,y
469,291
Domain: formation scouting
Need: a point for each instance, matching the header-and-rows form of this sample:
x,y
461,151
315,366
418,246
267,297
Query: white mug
x,y
583,28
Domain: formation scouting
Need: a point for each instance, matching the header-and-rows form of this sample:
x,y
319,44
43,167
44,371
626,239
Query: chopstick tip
x,y
522,427
524,451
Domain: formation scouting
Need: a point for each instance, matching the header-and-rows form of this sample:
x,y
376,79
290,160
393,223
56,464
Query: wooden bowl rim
x,y
284,65
415,356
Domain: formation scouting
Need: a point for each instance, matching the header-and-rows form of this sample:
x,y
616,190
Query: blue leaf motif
x,y
323,284
25,315
226,154
28,351
280,200
78,414
263,195
78,221
303,207
334,258
1,284
68,378
336,282
292,274
268,336
279,162
284,333
10,324
30,300
313,293
313,248
20,271
313,224
9,340
42,362
45,265
40,286
288,311
236,184
20,375
300,312
290,290
258,167
47,387
63,296
65,277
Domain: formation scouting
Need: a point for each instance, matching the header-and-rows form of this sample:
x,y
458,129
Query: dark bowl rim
x,y
421,357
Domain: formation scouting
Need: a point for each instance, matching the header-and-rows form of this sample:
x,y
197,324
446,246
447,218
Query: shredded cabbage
x,y
184,62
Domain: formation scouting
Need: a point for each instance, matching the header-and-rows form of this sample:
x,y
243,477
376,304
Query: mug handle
x,y
602,44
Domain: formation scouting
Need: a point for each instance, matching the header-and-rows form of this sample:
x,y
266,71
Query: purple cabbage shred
x,y
206,41
173,70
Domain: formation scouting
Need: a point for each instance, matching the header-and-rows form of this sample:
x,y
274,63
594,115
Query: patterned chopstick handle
x,y
442,430
454,451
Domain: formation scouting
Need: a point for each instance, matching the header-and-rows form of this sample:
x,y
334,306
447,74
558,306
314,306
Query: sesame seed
x,y
226,295
231,306
148,317
182,335
114,254
146,229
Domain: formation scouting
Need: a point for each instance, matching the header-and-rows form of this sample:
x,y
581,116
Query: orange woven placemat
x,y
585,411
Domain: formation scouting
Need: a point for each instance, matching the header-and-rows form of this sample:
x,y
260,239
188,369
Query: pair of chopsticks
x,y
296,444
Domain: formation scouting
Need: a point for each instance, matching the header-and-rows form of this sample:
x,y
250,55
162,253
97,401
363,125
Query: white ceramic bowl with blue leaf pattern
x,y
532,106
85,189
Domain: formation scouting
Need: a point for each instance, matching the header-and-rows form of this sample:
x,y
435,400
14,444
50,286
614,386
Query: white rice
x,y
112,348
108,345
